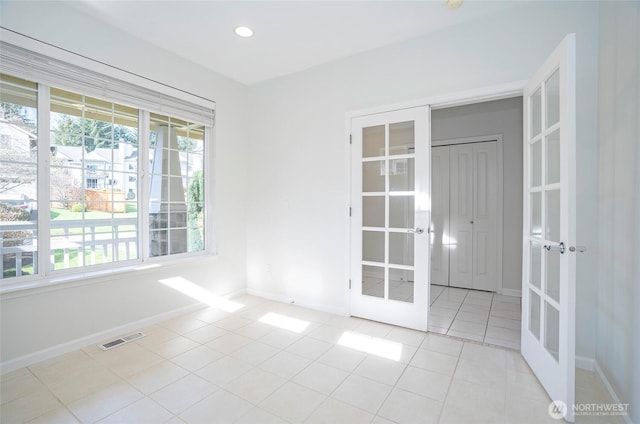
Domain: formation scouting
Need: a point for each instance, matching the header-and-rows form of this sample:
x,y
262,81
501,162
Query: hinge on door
x,y
350,139
349,211
349,284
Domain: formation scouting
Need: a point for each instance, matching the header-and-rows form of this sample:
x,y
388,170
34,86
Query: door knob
x,y
555,247
418,230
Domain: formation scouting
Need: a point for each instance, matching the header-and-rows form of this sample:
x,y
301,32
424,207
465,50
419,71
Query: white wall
x,y
39,321
297,229
618,325
490,118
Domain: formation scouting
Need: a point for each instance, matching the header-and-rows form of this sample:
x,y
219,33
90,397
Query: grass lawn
x,y
68,215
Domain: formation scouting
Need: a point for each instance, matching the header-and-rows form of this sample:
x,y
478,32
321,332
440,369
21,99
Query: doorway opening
x,y
476,232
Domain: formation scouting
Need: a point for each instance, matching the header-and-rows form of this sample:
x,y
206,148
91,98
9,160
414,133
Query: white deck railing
x,y
115,239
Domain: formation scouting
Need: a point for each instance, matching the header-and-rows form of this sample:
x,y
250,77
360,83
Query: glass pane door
x,y
389,176
548,322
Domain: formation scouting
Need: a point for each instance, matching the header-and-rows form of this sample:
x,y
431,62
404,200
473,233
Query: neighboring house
x,y
17,146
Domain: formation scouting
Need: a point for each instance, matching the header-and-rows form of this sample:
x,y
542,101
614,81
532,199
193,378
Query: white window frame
x,y
115,86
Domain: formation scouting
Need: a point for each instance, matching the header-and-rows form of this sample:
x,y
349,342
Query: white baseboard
x,y
300,302
511,292
598,371
52,352
585,363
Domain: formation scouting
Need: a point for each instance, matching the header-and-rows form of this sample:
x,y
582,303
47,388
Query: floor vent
x,y
121,341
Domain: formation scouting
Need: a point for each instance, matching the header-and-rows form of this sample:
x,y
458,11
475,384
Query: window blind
x,y
40,68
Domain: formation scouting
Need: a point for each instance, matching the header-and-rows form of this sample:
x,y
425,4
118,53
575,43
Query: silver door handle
x,y
418,230
580,249
555,247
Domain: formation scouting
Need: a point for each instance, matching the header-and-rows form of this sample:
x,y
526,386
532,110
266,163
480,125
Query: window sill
x,y
60,282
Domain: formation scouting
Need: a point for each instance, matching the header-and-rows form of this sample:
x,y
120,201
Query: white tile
x,y
18,385
220,407
503,334
80,382
132,363
442,312
380,369
344,323
472,403
157,376
280,338
477,317
229,343
481,301
437,330
155,335
104,402
143,411
515,345
255,386
405,407
373,329
232,323
425,383
183,324
197,358
28,407
489,356
224,370
505,314
468,327
442,344
255,330
293,402
309,347
478,309
522,387
255,353
434,361
257,415
466,336
487,375
362,393
321,378
285,364
206,334
174,347
342,357
210,315
327,333
507,299
447,304
513,324
180,395
334,411
532,412
438,321
57,416
406,336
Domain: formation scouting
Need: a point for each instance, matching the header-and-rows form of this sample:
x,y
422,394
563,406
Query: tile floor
x,y
475,315
270,362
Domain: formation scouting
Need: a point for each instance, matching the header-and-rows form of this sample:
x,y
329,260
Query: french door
x,y
390,217
549,277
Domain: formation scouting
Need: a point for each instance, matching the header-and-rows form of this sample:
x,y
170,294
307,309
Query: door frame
x,y
461,98
500,179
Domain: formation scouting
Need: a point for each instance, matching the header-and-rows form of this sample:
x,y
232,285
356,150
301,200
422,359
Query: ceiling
x,y
290,36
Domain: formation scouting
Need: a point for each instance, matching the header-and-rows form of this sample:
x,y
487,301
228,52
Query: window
x,y
176,202
124,182
18,182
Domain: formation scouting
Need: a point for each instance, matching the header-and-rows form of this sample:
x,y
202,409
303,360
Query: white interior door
x,y
390,216
485,222
440,215
548,301
461,215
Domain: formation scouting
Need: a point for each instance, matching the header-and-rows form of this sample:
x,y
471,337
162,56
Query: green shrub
x,y
78,207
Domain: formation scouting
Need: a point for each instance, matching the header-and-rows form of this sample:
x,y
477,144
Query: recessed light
x,y
243,31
